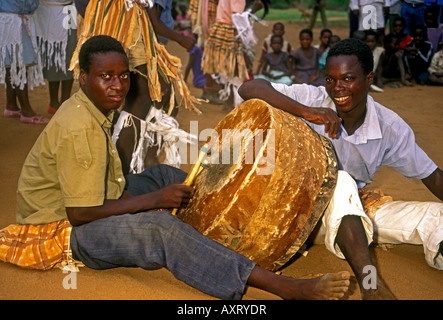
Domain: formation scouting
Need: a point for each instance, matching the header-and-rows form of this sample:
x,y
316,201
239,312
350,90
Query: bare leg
x,y
66,90
352,241
53,94
11,95
330,286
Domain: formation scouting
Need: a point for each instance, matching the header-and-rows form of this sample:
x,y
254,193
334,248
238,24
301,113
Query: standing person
x,y
146,125
306,60
413,11
319,6
116,221
224,55
365,136
371,15
20,65
56,24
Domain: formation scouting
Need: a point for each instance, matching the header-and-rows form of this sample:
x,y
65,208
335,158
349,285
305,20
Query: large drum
x,y
267,181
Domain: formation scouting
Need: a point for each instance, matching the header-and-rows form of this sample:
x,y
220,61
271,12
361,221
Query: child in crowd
x,y
333,40
393,64
305,61
277,28
183,21
418,55
276,66
436,68
378,52
325,35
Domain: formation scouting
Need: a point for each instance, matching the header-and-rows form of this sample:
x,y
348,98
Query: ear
x,y
370,78
83,78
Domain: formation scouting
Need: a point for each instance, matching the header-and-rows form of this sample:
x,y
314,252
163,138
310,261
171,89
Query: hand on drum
x,y
173,196
325,116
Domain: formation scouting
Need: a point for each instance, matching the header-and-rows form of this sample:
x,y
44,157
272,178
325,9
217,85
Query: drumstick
x,y
196,169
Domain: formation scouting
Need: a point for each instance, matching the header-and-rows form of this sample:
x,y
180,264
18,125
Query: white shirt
x,y
383,139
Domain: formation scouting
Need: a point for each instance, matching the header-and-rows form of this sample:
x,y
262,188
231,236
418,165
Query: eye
x,y
349,78
124,76
106,76
328,80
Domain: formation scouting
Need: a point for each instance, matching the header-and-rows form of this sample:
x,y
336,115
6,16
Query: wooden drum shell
x,y
264,209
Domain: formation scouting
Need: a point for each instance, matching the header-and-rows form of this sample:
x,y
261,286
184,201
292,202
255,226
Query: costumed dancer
x,y
226,58
146,125
20,65
56,27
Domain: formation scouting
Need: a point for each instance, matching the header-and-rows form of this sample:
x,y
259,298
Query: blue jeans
x,y
413,16
152,240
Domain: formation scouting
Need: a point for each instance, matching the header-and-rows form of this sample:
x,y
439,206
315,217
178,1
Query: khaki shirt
x,y
73,163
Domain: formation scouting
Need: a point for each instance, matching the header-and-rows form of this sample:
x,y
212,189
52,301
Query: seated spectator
x,y
418,55
305,61
277,28
436,68
378,52
276,66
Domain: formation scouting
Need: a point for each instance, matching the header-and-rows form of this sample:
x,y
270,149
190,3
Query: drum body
x,y
262,199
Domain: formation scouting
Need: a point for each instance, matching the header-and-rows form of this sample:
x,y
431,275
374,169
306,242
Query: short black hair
x,y
277,36
307,31
354,47
97,44
326,30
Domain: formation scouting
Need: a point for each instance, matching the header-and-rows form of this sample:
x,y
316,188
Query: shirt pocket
x,y
81,149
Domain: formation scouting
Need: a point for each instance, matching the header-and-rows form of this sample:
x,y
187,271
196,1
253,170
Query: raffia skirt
x,y
223,53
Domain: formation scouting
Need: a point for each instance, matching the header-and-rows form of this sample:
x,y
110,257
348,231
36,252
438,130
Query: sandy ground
x,y
402,267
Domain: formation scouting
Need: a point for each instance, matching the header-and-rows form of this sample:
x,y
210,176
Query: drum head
x,y
268,181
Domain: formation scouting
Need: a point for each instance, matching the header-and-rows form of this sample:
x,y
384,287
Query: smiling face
x,y
347,85
107,82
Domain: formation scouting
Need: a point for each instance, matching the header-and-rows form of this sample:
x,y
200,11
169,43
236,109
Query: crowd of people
x,y
409,53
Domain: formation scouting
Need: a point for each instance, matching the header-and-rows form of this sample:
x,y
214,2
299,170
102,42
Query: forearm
x,y
435,183
126,204
262,89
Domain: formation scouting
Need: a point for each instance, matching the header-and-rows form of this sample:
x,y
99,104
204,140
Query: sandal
x,y
37,119
12,114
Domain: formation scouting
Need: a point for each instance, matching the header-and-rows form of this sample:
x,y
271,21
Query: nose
x,y
338,86
117,83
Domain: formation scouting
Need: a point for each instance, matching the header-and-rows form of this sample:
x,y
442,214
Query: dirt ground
x,y
402,266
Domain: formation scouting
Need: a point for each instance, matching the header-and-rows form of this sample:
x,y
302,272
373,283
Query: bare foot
x,y
331,286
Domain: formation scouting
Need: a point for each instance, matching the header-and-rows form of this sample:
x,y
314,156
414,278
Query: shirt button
x,y
119,179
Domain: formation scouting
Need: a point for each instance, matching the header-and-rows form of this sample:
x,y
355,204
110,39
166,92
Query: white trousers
x,y
410,222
